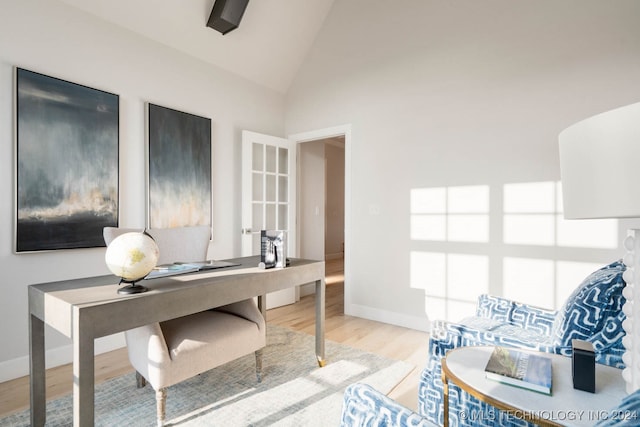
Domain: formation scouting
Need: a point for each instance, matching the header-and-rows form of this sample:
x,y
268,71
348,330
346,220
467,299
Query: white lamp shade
x,y
600,165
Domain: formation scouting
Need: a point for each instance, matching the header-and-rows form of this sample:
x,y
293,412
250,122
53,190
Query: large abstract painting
x,y
67,163
179,168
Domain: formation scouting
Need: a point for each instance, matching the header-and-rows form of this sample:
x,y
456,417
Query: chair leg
x,y
140,380
161,404
259,365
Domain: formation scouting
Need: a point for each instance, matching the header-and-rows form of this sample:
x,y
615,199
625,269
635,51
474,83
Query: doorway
x,y
323,201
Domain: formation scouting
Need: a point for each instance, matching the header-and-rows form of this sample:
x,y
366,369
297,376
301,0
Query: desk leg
x,y
446,398
83,372
37,375
320,308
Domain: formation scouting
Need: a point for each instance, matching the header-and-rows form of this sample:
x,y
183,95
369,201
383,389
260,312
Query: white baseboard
x,y
19,367
390,317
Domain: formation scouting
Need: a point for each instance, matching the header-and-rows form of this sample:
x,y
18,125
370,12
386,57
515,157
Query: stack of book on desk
x,y
521,369
165,270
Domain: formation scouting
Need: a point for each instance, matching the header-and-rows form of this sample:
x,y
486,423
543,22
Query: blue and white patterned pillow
x,y
592,307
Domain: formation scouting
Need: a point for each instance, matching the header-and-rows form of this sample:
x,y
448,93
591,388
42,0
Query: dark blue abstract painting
x,y
67,163
179,168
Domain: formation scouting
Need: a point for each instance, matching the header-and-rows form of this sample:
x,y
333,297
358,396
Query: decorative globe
x,y
132,256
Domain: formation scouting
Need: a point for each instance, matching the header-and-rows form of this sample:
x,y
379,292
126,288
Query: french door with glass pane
x,y
268,197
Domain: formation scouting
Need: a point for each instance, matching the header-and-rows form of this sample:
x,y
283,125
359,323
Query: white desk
x,y
566,406
86,309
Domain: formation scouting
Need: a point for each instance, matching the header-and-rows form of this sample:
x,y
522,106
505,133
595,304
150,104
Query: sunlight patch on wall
x,y
533,215
429,227
590,233
530,197
529,280
525,229
455,214
451,282
468,276
429,270
543,282
524,257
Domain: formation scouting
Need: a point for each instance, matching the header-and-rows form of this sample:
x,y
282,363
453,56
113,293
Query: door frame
x,y
325,133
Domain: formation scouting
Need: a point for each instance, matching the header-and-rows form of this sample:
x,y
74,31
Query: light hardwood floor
x,y
386,340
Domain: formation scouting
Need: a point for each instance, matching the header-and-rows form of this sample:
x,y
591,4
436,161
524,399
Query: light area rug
x,y
294,391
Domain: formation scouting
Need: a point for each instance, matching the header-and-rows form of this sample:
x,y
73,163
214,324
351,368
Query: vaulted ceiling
x,y
268,47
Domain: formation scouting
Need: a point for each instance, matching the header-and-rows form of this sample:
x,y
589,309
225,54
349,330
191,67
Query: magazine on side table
x,y
520,369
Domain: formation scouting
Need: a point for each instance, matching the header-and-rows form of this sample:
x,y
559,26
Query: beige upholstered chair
x,y
168,352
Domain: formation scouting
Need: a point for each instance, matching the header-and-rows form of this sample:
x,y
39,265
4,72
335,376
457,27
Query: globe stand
x,y
132,288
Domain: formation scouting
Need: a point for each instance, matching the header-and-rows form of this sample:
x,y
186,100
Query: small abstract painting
x,y
66,163
179,168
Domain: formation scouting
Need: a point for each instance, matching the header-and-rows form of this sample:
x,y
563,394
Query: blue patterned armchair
x,y
363,406
593,313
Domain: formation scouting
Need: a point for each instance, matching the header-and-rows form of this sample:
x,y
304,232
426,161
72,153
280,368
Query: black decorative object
x,y
66,163
273,249
226,15
583,366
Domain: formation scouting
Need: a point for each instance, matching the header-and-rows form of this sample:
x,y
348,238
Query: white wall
x,y
311,199
445,94
334,235
53,38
